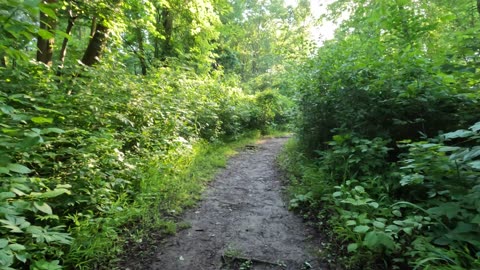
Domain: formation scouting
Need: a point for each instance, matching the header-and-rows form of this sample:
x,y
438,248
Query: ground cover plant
x,y
386,157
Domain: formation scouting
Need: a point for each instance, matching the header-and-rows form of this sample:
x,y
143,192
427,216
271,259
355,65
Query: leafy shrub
x,y
273,109
75,152
421,211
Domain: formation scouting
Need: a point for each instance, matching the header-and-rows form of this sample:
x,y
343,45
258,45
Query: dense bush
x,y
421,211
76,152
373,162
394,100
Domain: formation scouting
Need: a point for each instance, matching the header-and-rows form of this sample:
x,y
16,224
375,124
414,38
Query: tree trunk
x,y
93,27
45,46
167,23
156,39
68,31
3,61
96,45
141,51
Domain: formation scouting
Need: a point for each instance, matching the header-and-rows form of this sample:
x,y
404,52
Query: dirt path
x,y
242,215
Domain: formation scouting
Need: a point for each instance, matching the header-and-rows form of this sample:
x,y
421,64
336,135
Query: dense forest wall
x,y
388,136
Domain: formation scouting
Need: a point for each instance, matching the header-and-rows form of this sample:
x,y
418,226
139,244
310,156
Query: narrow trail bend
x,y
242,215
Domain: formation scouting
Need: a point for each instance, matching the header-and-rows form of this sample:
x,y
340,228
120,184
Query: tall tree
x,y
71,18
97,44
264,36
46,32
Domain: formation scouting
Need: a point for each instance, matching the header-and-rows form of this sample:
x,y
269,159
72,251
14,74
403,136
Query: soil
x,y
242,222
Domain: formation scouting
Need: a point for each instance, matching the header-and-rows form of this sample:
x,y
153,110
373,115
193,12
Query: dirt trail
x,y
242,215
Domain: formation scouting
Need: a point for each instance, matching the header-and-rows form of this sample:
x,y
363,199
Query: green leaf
x,y
6,195
52,130
51,193
376,240
30,141
7,109
361,229
6,258
397,213
41,120
337,194
18,192
392,228
21,256
45,34
476,127
3,243
412,179
44,207
473,153
16,247
46,265
352,247
15,167
476,219
12,226
41,109
428,145
351,223
475,164
449,148
47,10
448,209
373,204
462,133
408,230
360,189
379,224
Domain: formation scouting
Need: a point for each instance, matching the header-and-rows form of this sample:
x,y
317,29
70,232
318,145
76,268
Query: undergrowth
x,y
84,160
421,212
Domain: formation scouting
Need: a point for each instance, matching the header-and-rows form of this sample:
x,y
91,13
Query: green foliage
x,y
374,104
274,109
90,151
83,156
381,82
17,27
421,211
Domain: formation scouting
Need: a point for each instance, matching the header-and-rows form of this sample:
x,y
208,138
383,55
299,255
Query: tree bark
x,y
156,39
68,31
3,61
93,27
141,51
164,26
167,23
96,45
45,46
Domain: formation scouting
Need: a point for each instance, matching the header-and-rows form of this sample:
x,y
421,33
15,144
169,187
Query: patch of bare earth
x,y
242,222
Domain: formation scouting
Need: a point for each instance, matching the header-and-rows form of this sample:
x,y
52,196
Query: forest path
x,y
242,216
